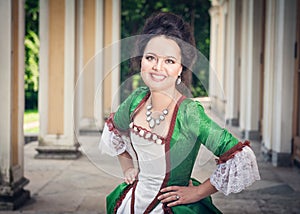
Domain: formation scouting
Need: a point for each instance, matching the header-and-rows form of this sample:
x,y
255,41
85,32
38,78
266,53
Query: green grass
x,y
32,130
31,116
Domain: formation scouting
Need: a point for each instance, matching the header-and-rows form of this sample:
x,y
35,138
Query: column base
x,y
232,122
30,138
281,159
13,196
252,135
296,162
90,131
266,153
57,152
278,159
89,126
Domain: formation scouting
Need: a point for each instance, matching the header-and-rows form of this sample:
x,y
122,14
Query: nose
x,y
158,65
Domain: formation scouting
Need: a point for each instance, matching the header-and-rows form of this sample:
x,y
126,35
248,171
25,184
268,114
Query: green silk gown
x,y
190,127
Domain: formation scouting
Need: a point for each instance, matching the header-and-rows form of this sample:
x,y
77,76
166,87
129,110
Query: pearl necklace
x,y
155,121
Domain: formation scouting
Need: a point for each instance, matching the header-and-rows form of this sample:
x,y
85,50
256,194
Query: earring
x,y
178,81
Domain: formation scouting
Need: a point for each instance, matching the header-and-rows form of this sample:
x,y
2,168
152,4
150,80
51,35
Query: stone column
x,y
253,70
112,36
221,30
57,80
99,78
269,66
232,66
88,112
244,64
222,73
251,62
12,180
89,77
283,81
214,13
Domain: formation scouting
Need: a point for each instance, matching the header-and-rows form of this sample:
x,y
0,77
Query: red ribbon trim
x,y
111,126
231,152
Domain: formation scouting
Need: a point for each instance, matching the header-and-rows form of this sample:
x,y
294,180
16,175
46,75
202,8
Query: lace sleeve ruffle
x,y
112,141
237,173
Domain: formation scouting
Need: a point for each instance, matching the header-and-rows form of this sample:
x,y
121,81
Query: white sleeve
x,y
236,173
113,144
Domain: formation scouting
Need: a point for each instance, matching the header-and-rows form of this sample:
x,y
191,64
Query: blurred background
x,y
64,64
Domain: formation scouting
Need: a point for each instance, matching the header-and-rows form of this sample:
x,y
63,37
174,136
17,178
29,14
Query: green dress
x,y
190,127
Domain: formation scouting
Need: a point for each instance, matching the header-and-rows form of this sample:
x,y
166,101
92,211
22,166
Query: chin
x,y
161,87
164,85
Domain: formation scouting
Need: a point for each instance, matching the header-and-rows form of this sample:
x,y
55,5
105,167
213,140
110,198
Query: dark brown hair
x,y
172,27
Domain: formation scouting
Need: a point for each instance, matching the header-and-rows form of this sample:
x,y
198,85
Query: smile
x,y
156,77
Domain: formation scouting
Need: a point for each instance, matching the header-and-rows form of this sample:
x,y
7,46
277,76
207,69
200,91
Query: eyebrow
x,y
162,56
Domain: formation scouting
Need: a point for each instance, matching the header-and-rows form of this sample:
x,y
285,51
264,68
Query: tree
x,y
31,53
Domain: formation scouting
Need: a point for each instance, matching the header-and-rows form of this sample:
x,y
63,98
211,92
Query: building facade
x,y
255,54
77,82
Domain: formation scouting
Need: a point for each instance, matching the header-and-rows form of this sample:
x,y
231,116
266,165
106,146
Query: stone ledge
x,y
57,152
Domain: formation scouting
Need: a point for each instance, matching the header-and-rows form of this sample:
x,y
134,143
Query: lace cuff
x,y
112,141
237,173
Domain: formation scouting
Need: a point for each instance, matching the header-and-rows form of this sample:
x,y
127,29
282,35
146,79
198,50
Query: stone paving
x,y
80,186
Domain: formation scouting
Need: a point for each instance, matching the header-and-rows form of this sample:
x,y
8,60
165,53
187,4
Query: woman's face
x,y
161,63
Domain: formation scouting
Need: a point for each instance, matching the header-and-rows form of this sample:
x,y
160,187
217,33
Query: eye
x,y
150,58
170,61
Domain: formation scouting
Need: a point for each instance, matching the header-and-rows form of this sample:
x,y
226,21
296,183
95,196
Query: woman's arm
x,y
175,195
127,166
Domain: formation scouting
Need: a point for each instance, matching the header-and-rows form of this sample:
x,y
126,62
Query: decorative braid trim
x,y
120,200
231,152
167,210
112,127
133,197
155,202
110,124
146,134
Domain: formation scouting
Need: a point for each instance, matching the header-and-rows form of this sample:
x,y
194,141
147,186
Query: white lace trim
x,y
113,144
237,173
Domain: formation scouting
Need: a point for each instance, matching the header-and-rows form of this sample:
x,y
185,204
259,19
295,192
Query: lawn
x,y
31,119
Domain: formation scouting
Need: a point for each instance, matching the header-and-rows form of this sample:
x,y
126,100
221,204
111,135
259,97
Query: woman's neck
x,y
162,99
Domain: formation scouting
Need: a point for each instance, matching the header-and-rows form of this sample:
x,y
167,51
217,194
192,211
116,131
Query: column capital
x,y
214,11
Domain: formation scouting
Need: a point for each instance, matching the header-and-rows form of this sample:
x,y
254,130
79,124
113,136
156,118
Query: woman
x,y
164,129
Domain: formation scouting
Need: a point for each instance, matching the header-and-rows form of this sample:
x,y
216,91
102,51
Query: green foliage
x,y
31,59
32,45
195,12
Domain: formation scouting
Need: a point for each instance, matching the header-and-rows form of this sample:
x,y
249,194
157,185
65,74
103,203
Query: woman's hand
x,y
130,175
175,195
